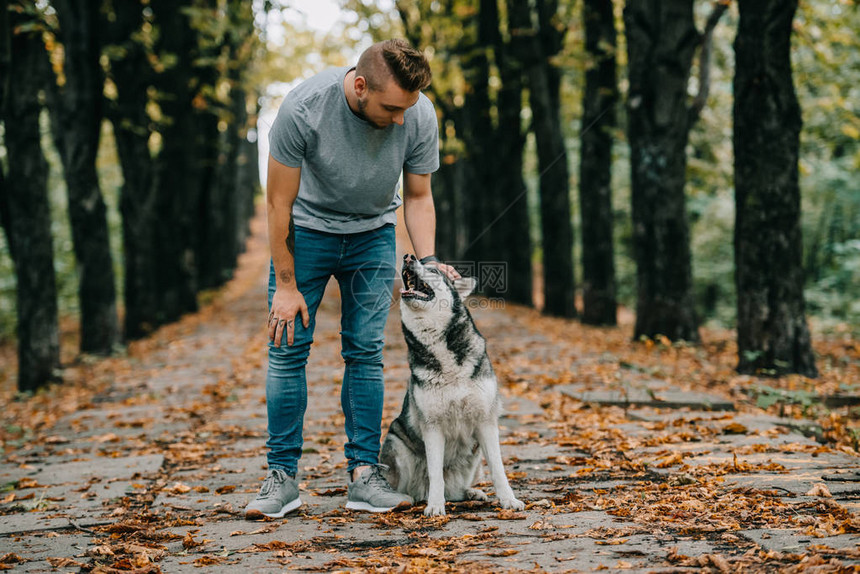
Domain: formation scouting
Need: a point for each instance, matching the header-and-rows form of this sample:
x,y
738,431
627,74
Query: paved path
x,y
150,474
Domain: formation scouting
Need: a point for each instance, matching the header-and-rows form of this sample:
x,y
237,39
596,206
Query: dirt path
x,y
144,462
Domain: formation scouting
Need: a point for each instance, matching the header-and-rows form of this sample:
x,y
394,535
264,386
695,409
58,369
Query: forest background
x,y
826,67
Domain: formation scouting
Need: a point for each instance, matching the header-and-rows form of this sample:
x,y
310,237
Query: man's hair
x,y
395,59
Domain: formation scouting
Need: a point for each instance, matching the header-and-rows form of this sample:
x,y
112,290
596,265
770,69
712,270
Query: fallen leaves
x,y
652,473
179,488
508,514
57,562
340,491
735,428
8,561
262,530
613,542
503,553
681,479
190,542
542,525
819,489
102,550
209,560
818,560
24,483
676,458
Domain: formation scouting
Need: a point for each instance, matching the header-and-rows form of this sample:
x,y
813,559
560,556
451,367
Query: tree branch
x,y
701,98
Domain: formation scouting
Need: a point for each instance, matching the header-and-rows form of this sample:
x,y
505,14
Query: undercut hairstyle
x,y
394,59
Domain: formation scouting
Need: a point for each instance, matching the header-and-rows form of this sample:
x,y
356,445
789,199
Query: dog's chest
x,y
456,405
452,383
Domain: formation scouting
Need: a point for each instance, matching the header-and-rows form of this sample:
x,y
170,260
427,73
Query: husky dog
x,y
451,412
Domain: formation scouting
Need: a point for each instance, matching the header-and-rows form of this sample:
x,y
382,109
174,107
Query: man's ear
x,y
465,286
360,85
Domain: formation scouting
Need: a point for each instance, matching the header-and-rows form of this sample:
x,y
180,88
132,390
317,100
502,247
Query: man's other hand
x,y
286,304
446,269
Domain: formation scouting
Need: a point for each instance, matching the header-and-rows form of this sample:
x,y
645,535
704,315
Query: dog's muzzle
x,y
413,286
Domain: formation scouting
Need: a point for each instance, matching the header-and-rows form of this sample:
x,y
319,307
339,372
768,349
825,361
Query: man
x,y
338,146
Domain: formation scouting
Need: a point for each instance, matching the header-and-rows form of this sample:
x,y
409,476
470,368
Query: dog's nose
x,y
408,257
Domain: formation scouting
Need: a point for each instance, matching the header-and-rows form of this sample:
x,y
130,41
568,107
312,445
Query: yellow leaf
x,y
613,542
508,514
851,131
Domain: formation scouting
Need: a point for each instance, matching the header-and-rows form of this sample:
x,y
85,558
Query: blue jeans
x,y
364,266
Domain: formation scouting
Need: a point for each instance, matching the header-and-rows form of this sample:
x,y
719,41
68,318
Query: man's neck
x,y
349,91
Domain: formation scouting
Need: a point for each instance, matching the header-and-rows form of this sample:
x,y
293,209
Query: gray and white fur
x,y
450,415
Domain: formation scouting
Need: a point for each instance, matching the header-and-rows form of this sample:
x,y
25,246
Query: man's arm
x,y
282,187
420,215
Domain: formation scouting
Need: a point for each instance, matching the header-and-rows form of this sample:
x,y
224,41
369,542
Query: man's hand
x,y
286,304
446,269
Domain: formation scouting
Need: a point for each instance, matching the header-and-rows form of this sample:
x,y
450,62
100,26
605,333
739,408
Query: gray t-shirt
x,y
350,170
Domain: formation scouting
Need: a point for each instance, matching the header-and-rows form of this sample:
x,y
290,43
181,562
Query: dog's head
x,y
428,291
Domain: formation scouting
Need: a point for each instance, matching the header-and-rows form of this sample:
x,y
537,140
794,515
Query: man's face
x,y
383,108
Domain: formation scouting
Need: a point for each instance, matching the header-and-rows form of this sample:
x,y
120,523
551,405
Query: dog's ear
x,y
465,286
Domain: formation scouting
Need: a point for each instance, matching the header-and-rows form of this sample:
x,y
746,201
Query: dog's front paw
x,y
435,509
511,504
475,494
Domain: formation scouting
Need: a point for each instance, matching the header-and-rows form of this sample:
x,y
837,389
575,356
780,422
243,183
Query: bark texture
x,y
476,126
773,337
178,166
132,75
556,220
248,171
5,62
513,223
29,212
77,118
595,192
661,42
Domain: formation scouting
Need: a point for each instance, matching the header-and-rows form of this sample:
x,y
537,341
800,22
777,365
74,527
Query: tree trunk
x,y
177,168
449,182
773,337
223,209
247,174
476,129
450,225
513,223
556,221
661,41
5,62
77,114
482,217
595,191
132,75
29,210
216,158
5,209
235,206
